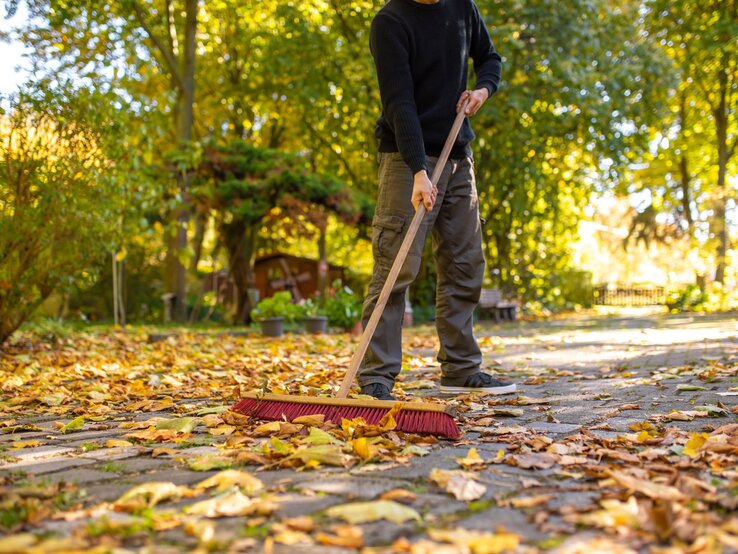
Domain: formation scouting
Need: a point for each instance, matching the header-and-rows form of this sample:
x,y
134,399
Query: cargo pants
x,y
456,234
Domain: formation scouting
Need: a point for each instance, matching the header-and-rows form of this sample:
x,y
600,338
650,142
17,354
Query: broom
x,y
413,417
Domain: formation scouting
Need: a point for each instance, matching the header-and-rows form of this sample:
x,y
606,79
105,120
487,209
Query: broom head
x,y
413,417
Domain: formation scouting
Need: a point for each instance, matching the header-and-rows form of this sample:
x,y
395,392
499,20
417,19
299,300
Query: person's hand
x,y
476,99
423,191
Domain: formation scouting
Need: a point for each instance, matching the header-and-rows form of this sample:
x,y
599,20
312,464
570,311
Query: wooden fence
x,y
630,296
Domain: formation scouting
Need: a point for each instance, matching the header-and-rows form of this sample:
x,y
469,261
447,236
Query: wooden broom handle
x,y
407,242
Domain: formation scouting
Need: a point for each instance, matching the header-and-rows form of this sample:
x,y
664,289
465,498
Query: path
x,y
602,375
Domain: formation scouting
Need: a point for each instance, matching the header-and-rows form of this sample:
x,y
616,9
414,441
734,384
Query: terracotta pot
x,y
357,329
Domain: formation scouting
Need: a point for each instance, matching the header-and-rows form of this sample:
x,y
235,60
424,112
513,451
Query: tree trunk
x,y
323,263
177,277
721,134
240,242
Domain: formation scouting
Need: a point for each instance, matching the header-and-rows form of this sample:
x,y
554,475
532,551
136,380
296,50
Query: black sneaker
x,y
378,391
479,382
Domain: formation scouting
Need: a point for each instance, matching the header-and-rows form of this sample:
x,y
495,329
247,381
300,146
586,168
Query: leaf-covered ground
x,y
623,438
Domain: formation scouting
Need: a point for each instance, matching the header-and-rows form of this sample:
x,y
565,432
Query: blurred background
x,y
182,160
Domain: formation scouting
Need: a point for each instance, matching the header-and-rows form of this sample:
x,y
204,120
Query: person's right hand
x,y
423,191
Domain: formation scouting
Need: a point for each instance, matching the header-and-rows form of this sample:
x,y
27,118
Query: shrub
x,y
57,197
279,305
343,308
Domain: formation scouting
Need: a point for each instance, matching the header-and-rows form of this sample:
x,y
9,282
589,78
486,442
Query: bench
x,y
491,300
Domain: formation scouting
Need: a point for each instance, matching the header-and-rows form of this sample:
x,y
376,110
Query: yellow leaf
x,y
75,425
120,256
113,443
695,442
13,544
310,420
228,478
363,449
206,463
472,459
181,425
222,430
363,512
266,429
149,495
477,542
24,444
232,504
324,454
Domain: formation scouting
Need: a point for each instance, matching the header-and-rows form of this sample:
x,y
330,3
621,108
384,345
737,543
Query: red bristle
x,y
408,421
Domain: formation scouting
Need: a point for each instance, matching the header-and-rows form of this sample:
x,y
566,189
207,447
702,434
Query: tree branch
x,y
169,59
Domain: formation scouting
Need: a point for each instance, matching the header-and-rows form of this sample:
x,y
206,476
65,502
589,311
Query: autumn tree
x,y
702,41
242,185
147,49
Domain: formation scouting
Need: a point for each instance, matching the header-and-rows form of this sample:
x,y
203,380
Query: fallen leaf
x,y
536,460
156,452
475,541
13,544
684,387
346,536
364,512
149,495
315,420
694,444
24,444
75,425
472,459
458,483
181,424
115,443
229,478
648,488
324,454
399,495
208,462
231,504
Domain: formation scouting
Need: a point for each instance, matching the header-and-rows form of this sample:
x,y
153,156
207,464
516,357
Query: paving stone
x,y
38,452
293,505
509,519
106,492
107,454
383,532
175,475
143,464
48,466
359,487
555,428
79,476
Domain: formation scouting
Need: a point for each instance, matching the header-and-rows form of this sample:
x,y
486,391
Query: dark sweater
x,y
422,56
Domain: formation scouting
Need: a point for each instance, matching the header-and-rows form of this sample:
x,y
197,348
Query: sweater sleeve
x,y
487,61
390,49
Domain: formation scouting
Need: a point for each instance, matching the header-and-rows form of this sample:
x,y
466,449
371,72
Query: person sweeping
x,y
421,50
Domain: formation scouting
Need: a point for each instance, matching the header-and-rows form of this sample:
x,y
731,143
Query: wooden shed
x,y
278,271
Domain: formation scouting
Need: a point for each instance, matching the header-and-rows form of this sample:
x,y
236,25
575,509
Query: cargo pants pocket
x,y
386,238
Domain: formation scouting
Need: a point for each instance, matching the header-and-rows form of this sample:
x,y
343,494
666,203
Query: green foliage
x,y
58,195
310,307
343,307
279,305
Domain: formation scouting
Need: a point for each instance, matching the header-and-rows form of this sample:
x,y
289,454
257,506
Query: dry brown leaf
x,y
649,488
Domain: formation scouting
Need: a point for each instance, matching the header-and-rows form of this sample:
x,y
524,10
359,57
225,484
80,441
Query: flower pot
x,y
357,329
272,326
316,324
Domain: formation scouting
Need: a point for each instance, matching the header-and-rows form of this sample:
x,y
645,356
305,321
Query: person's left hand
x,y
476,99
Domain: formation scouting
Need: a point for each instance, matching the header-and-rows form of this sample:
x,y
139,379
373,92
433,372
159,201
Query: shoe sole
x,y
507,389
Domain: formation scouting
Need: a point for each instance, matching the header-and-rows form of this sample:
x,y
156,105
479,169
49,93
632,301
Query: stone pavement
x,y
585,368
